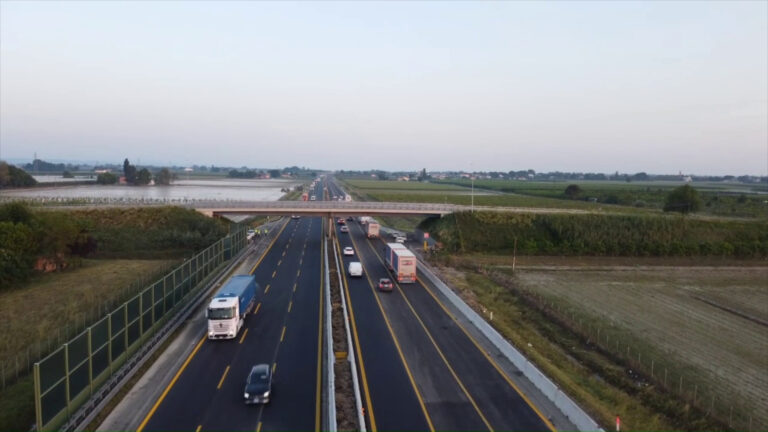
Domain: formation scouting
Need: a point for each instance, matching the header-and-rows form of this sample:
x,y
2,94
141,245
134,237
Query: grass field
x,y
396,191
703,322
719,199
56,303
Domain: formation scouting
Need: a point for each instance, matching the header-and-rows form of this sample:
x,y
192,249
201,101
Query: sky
x,y
657,86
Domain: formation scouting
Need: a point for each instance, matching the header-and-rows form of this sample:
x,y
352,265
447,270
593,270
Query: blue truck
x,y
228,308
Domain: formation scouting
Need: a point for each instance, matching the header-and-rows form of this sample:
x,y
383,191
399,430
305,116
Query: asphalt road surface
x,y
284,331
457,386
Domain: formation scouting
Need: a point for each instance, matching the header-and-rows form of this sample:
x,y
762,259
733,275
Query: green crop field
x,y
704,323
720,199
397,191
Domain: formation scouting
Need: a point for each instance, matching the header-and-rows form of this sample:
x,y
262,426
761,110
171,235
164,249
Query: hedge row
x,y
599,235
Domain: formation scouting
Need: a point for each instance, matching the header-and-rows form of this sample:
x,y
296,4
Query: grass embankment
x,y
599,235
720,199
149,232
599,384
57,304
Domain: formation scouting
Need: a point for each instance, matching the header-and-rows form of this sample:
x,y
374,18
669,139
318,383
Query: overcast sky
x,y
654,86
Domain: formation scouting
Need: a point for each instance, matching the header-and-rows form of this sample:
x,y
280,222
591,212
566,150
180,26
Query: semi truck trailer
x,y
228,308
401,262
372,229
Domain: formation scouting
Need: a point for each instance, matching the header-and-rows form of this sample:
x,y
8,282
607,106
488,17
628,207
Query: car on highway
x,y
355,269
385,284
349,251
350,218
340,221
344,229
400,239
295,216
258,386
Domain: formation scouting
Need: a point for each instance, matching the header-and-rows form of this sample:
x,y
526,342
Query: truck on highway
x,y
372,229
228,308
401,262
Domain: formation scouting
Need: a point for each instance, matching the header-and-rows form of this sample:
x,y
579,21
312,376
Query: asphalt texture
x,y
458,385
283,331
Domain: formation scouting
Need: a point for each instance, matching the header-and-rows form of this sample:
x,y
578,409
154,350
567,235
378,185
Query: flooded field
x,y
180,190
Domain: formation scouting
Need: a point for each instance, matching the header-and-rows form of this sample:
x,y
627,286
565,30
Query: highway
x,y
418,368
457,386
284,331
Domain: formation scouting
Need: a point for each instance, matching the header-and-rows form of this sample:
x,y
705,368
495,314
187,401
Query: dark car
x,y
385,284
258,386
350,218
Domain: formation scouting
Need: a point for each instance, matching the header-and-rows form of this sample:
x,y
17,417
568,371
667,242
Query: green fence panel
x,y
100,333
53,401
77,350
52,369
108,340
133,308
100,361
79,379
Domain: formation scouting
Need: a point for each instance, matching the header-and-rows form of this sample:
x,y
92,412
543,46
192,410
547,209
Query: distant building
x,y
102,171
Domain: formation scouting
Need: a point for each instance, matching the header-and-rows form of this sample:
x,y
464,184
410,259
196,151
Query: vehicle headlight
x,y
266,394
246,395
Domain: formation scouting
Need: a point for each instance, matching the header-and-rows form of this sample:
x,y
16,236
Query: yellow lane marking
x,y
445,360
290,305
258,428
274,273
170,385
368,402
279,262
318,394
242,338
198,428
283,253
397,344
491,360
221,381
294,287
266,290
274,366
298,273
282,335
253,269
258,306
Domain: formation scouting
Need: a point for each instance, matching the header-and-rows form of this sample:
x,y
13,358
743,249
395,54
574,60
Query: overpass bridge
x,y
349,208
324,208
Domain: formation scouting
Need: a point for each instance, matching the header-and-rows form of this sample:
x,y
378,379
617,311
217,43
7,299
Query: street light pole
x,y
472,177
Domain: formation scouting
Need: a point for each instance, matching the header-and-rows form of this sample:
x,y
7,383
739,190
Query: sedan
x,y
340,221
344,229
258,386
349,251
385,284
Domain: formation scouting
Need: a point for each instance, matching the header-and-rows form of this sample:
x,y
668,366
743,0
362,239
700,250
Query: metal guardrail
x,y
330,358
350,350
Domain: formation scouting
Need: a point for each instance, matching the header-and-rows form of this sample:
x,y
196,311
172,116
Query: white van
x,y
355,269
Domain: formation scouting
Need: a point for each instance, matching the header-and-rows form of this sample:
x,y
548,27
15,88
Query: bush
x,y
106,178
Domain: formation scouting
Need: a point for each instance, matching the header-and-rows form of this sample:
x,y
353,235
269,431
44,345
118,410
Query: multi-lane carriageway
x,y
418,368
